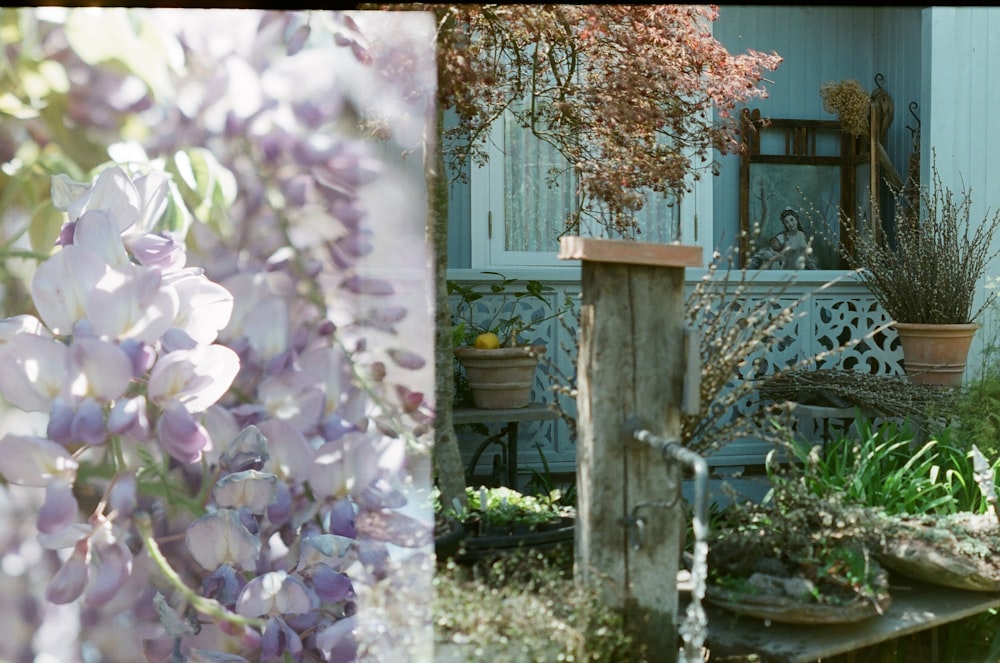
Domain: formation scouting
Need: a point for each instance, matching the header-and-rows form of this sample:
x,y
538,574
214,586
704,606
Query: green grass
x,y
887,466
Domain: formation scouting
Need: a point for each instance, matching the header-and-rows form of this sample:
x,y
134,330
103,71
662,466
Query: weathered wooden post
x,y
631,371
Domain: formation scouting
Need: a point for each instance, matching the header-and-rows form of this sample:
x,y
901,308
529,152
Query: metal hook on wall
x,y
883,109
913,111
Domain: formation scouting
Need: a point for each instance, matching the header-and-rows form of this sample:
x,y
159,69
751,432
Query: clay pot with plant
x,y
498,365
926,278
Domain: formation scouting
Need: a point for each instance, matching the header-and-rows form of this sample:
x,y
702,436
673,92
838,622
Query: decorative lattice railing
x,y
826,319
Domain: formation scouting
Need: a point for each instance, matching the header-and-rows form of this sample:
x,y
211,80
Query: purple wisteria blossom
x,y
230,396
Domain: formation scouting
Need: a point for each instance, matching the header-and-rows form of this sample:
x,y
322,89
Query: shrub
x,y
930,272
527,608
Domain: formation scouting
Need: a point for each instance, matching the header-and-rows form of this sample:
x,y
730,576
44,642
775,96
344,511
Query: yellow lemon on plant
x,y
487,341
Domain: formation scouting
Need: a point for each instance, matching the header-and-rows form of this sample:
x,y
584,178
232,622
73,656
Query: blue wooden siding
x,y
961,87
944,58
459,215
897,54
941,57
819,45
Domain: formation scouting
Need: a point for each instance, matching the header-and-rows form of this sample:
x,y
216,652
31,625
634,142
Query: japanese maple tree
x,y
635,97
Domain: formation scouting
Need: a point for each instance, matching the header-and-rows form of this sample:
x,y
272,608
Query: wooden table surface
x,y
530,412
915,607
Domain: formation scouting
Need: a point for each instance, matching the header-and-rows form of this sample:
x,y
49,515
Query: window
x,y
519,206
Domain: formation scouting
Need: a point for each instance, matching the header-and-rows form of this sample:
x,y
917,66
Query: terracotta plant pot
x,y
935,354
500,378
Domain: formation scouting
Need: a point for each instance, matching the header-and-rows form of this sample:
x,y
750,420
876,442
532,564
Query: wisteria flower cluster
x,y
125,360
223,466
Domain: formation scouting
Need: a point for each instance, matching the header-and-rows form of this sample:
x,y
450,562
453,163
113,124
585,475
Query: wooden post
x,y
630,523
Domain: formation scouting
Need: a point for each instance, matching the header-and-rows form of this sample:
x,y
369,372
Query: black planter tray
x,y
496,543
448,540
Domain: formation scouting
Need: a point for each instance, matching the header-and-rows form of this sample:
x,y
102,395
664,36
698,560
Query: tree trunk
x,y
448,469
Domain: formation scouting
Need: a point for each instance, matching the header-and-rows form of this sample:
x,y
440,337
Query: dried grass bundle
x,y
884,395
849,102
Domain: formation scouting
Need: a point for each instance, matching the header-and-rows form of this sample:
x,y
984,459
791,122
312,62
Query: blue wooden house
x,y
935,63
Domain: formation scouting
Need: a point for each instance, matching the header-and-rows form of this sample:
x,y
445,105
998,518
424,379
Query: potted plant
x,y
499,367
500,520
797,559
926,277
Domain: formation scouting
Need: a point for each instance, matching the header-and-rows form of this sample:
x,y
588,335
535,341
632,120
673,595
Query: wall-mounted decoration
x,y
809,169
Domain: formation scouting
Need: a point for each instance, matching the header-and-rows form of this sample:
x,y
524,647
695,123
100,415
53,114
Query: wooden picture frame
x,y
811,166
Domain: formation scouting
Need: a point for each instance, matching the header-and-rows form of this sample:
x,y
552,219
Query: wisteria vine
x,y
231,418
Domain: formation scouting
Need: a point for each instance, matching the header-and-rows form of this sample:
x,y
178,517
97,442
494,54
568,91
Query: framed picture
x,y
812,191
798,178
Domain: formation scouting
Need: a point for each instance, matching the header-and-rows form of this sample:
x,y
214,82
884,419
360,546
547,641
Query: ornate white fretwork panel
x,y
858,327
843,315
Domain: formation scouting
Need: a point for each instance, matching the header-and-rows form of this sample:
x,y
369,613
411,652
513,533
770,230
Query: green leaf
x,y
44,79
194,172
54,74
206,186
176,218
99,36
11,105
115,35
43,230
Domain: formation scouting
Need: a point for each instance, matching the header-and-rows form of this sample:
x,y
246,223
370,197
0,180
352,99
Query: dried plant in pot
x,y
498,367
926,276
